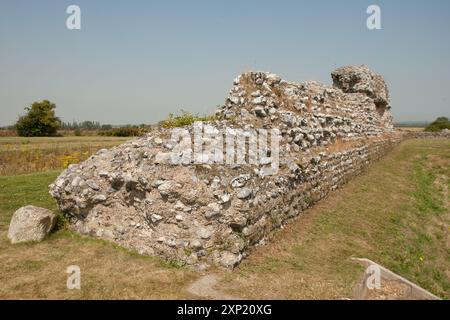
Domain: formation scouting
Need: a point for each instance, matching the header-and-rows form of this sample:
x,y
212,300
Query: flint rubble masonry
x,y
215,213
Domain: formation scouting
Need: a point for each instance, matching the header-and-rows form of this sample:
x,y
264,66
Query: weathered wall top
x,y
360,79
359,99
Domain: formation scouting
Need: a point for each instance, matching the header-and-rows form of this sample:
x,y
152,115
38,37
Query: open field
x,y
26,155
416,129
397,213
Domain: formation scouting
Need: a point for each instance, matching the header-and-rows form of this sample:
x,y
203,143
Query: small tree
x,y
40,120
439,124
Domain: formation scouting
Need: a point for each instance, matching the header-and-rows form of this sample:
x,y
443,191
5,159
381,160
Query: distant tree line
x,y
411,124
85,125
40,120
126,131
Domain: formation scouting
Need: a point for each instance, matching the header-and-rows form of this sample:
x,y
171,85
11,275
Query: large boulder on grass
x,y
30,223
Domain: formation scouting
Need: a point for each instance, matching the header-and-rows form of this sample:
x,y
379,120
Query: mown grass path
x,y
396,213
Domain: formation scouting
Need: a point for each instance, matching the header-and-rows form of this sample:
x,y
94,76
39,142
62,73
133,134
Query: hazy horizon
x,y
135,62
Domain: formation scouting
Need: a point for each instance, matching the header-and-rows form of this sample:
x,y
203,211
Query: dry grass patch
x,y
20,155
38,271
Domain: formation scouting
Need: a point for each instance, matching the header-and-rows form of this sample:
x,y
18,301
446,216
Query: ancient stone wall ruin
x,y
200,214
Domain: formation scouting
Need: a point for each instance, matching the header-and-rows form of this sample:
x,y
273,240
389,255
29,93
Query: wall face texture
x,y
214,213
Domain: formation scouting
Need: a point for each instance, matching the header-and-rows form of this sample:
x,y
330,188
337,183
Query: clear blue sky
x,y
136,61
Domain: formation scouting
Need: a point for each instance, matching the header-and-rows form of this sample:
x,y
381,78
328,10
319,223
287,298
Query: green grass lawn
x,y
19,191
396,213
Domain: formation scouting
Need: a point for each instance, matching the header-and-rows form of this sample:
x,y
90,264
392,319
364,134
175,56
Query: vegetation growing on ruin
x,y
184,118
